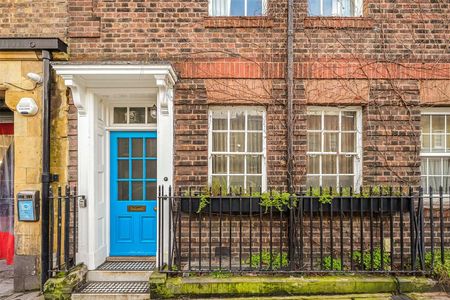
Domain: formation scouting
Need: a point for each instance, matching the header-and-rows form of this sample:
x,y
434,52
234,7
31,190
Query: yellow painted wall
x,y
28,137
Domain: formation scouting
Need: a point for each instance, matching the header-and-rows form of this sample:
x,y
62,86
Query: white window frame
x,y
337,9
130,126
357,164
441,111
229,110
263,10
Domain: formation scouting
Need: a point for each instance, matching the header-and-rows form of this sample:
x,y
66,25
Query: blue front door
x,y
133,193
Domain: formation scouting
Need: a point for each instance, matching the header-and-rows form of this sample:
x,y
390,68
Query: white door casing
x,y
86,81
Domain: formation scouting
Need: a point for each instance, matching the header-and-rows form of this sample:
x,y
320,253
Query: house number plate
x,y
137,208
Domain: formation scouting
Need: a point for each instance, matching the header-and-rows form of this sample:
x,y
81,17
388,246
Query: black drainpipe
x,y
46,90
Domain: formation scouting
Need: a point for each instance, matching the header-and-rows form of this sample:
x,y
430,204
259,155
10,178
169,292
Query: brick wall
x,y
33,18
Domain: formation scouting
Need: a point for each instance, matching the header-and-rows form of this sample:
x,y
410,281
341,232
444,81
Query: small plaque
x,y
137,208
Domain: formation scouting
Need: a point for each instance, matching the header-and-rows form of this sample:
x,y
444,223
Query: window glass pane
x,y
150,190
348,121
426,143
314,122
137,190
237,164
314,7
438,124
425,123
236,181
254,7
219,164
237,121
329,164
219,141
237,142
446,166
137,146
254,164
123,171
220,122
437,141
434,166
346,164
331,122
120,115
348,142
151,115
346,181
150,147
254,140
150,169
254,122
237,8
446,184
424,182
313,164
330,142
313,181
329,181
122,147
327,7
137,168
220,181
434,182
122,190
448,142
254,182
448,123
137,115
314,141
423,166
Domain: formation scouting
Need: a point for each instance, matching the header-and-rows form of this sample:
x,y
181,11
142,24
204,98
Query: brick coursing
x,y
37,18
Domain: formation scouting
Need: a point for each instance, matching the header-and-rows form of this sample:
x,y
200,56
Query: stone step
x,y
118,275
118,290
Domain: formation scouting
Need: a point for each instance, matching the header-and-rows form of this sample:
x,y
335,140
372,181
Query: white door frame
x,y
87,84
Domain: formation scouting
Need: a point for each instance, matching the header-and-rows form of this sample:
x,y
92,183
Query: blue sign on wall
x,y
26,210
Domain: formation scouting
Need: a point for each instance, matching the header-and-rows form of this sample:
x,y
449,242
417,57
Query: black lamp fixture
x,y
153,111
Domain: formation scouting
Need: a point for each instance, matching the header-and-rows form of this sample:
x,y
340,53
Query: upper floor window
x,y
334,147
435,153
237,147
335,8
227,8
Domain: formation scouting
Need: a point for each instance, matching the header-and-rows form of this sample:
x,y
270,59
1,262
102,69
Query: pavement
x,y
7,285
7,292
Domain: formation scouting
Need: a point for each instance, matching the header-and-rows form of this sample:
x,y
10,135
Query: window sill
x,y
339,22
237,22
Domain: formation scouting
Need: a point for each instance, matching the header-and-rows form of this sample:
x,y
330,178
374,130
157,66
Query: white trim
x,y
93,87
229,110
357,154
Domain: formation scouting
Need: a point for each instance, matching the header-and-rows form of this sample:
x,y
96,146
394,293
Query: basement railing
x,y
63,210
374,230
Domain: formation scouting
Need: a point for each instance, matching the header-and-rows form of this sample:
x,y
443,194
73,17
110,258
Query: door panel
x,y
133,193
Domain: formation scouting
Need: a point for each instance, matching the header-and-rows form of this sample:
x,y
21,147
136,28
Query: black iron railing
x,y
63,209
376,230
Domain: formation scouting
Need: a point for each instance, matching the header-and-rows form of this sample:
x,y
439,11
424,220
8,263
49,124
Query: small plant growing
x,y
221,273
440,270
278,200
265,258
326,264
367,261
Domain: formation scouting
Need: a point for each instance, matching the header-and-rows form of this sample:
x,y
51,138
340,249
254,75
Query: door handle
x,y
155,208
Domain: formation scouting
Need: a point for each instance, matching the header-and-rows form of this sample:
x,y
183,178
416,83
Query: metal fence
x,y
62,228
376,230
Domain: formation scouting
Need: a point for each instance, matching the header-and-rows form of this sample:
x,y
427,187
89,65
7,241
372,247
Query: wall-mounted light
x,y
153,111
